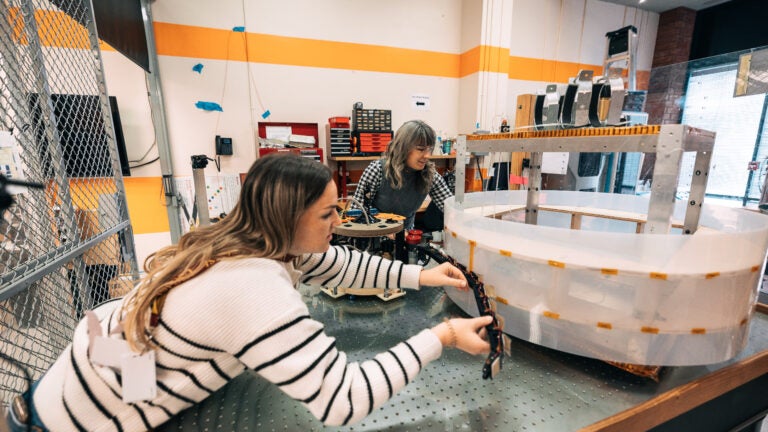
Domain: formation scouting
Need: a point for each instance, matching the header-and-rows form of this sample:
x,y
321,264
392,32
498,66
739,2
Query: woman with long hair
x,y
399,182
223,301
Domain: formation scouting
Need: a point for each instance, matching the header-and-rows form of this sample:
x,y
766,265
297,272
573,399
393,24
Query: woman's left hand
x,y
442,275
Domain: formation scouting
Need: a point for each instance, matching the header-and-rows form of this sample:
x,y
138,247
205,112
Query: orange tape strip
x,y
472,245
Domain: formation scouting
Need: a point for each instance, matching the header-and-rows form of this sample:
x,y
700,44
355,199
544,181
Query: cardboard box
x,y
108,251
472,181
525,110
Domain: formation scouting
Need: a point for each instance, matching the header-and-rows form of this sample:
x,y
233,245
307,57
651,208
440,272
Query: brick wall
x,y
666,84
673,38
667,80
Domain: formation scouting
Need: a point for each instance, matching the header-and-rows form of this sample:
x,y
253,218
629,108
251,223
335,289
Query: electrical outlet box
x,y
223,146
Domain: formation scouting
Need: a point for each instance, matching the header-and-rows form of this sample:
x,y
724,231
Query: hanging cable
x,y
145,163
557,43
224,84
251,84
581,34
152,119
498,64
359,204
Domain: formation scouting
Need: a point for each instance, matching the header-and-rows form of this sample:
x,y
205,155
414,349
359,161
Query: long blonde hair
x,y
411,134
277,190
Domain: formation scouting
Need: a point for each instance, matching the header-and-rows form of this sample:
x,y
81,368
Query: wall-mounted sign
x,y
420,102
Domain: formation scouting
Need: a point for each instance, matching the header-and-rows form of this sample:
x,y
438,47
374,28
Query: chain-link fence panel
x,y
68,245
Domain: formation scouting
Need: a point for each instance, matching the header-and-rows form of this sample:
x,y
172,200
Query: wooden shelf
x,y
341,168
353,158
373,158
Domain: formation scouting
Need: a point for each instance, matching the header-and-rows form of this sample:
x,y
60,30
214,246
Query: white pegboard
x,y
10,164
554,163
222,193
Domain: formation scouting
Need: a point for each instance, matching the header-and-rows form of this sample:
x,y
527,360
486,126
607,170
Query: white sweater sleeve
x,y
340,266
278,339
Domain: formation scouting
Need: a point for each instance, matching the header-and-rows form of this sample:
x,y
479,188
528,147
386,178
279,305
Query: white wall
x,y
422,24
292,94
125,81
546,29
471,24
574,30
567,31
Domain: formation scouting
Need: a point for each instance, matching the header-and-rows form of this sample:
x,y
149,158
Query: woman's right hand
x,y
466,334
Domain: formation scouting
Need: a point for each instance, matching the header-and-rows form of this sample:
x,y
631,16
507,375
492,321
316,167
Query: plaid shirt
x,y
371,179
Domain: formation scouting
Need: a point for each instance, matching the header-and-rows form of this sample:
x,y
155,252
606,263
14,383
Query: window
x,y
709,104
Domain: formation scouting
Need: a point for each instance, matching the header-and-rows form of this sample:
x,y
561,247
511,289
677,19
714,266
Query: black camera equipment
x,y
6,199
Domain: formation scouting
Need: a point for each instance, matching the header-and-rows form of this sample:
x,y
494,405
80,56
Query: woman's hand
x,y
442,275
466,334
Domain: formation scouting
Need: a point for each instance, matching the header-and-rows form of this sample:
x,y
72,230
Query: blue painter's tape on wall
x,y
265,114
240,29
208,106
198,68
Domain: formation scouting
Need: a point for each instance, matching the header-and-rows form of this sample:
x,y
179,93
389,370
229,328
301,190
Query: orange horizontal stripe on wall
x,y
222,44
54,28
531,69
144,196
146,204
85,191
486,59
189,41
469,62
57,29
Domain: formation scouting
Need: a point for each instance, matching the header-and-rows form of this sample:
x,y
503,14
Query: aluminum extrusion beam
x,y
462,158
698,189
157,108
669,143
534,186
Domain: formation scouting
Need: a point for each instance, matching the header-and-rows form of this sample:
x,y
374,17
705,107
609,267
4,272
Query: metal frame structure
x,y
628,56
67,246
669,143
157,105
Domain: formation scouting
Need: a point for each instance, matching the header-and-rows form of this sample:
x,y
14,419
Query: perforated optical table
x,y
538,389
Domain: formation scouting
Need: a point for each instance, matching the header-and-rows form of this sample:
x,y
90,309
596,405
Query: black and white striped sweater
x,y
242,313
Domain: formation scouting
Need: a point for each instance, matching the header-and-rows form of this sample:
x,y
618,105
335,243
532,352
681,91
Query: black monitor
x,y
80,126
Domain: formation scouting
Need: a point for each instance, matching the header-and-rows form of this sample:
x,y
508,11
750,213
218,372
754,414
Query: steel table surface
x,y
538,389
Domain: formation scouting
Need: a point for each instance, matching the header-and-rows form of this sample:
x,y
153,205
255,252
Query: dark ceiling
x,y
660,6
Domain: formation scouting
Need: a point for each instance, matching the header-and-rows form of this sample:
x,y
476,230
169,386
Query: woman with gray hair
x,y
401,181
